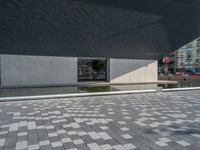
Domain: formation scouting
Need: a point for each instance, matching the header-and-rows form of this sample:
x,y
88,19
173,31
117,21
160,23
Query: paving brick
x,y
135,121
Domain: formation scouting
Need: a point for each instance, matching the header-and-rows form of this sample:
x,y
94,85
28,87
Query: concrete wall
x,y
127,70
37,70
19,70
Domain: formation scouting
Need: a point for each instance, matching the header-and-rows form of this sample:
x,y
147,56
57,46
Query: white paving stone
x,y
94,135
94,146
66,140
45,142
127,136
82,133
124,129
33,147
104,135
104,127
31,125
13,127
129,146
52,134
119,147
183,143
56,144
161,143
22,134
78,141
2,142
106,147
21,145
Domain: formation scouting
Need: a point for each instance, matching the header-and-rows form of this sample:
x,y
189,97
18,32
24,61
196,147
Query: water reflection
x,y
180,85
84,89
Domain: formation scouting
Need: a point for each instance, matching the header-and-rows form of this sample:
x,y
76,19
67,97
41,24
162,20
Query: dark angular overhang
x,y
139,29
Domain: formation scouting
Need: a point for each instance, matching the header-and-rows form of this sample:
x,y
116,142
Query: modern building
x,y
41,41
186,57
189,55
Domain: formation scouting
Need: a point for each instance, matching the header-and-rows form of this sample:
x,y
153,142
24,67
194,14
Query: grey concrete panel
x,y
127,70
37,70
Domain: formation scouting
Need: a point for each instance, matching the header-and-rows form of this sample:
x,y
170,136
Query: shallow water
x,y
84,89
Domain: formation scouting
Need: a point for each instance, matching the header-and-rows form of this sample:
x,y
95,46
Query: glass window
x,y
92,69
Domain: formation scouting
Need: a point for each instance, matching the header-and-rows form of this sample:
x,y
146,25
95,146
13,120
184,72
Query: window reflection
x,y
92,69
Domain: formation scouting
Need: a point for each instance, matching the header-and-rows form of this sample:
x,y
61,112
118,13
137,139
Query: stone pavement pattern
x,y
166,121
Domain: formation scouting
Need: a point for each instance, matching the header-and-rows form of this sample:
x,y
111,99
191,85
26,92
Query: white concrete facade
x,y
20,70
37,70
133,71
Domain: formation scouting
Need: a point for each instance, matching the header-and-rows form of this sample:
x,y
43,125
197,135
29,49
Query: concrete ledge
x,y
86,84
22,98
39,97
181,89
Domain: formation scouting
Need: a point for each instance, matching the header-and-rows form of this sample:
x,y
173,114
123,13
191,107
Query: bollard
x,y
159,89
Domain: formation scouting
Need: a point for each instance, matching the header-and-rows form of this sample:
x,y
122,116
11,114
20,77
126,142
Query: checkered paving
x,y
148,121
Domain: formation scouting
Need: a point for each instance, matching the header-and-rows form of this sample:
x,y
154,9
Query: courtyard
x,y
147,121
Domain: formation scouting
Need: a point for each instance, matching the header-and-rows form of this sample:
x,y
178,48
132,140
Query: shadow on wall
x,y
123,70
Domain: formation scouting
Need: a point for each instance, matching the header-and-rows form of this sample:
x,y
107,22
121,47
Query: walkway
x,y
166,121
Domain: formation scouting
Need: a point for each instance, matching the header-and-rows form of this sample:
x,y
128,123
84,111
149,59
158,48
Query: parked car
x,y
191,72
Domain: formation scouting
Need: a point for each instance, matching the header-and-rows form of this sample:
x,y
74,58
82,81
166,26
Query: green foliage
x,y
96,64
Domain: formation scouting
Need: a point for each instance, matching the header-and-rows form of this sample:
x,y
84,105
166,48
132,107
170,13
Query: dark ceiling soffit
x,y
161,7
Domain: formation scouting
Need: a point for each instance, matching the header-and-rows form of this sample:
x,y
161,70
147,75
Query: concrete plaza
x,y
165,120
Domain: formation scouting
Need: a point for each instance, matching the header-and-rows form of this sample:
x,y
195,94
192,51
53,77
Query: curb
x,y
22,98
39,97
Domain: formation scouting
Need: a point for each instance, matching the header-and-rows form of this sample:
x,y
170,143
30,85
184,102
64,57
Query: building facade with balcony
x,y
189,55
